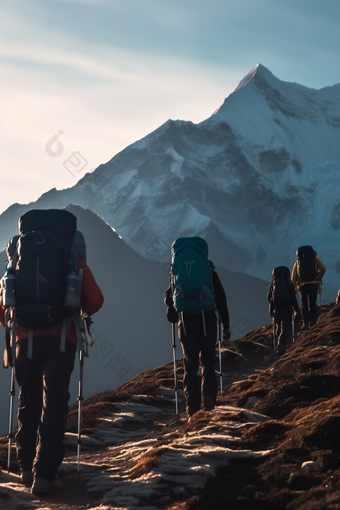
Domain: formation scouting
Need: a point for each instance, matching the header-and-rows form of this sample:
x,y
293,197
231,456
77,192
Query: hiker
x,y
307,275
43,363
281,297
197,323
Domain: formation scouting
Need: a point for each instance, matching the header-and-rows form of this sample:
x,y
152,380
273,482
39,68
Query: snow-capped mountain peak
x,y
258,70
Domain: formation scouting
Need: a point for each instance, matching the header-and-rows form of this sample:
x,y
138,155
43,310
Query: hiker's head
x,y
303,248
281,271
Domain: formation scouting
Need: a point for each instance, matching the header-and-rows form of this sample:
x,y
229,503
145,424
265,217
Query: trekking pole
x,y
10,427
293,327
174,356
220,352
274,334
80,400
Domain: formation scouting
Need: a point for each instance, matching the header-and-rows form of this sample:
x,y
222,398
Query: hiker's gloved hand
x,y
226,334
172,315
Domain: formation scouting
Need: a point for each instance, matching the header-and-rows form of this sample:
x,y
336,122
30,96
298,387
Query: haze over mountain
x,y
131,332
257,179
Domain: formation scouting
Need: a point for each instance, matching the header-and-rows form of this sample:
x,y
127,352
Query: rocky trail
x,y
271,442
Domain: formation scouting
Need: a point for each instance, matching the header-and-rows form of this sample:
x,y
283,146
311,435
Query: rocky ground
x,y
272,442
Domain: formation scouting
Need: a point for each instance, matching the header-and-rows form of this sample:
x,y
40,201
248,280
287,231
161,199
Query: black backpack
x,y
306,268
41,265
280,283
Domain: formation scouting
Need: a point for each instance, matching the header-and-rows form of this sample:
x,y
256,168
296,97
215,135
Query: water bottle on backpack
x,y
73,289
8,288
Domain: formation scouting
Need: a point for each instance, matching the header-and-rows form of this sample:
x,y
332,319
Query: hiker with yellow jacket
x,y
307,275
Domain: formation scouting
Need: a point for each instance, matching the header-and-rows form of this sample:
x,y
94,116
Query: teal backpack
x,y
191,276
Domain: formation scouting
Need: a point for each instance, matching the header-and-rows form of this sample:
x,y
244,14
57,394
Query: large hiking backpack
x,y
41,267
280,283
191,276
306,264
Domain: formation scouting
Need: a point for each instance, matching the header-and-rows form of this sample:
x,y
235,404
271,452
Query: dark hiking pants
x,y
197,345
43,403
283,321
308,296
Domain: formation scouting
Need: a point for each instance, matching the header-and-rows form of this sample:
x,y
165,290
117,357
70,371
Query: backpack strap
x,y
203,320
204,325
77,323
63,335
88,337
80,331
9,351
30,343
13,338
183,325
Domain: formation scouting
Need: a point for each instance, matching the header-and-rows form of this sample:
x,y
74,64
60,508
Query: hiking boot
x,y
43,486
208,403
26,477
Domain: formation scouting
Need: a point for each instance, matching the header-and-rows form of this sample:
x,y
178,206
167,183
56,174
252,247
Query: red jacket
x,y
92,300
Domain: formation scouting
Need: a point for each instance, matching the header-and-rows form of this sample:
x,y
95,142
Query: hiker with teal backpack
x,y
194,295
51,284
307,275
282,301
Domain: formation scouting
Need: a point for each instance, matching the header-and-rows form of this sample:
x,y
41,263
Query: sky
x,y
80,80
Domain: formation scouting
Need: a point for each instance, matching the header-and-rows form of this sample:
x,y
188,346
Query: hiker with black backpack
x,y
282,300
307,275
51,284
194,294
